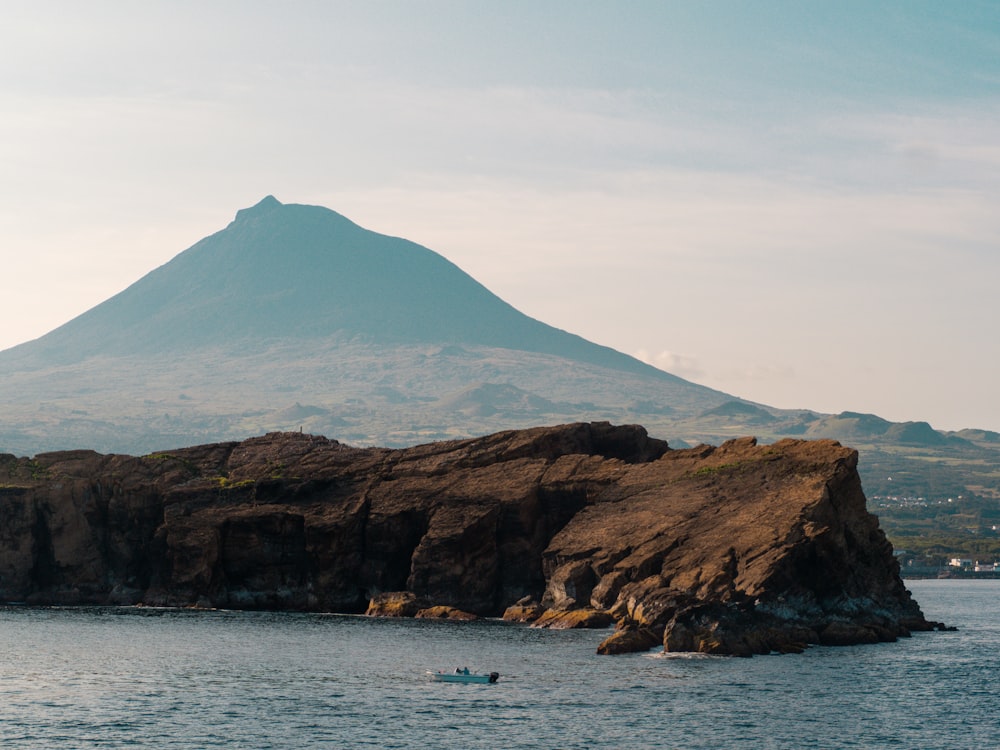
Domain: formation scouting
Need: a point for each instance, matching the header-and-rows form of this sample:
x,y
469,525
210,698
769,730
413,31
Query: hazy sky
x,y
794,202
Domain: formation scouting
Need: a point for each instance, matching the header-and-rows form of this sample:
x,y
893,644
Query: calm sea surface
x,y
123,677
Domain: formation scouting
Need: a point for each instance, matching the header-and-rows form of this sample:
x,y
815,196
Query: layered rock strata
x,y
734,549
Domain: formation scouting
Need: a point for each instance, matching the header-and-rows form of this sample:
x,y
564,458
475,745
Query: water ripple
x,y
120,678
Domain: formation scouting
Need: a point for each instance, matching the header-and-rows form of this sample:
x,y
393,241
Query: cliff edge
x,y
736,549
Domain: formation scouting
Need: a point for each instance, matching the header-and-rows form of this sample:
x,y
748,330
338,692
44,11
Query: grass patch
x,y
36,470
225,483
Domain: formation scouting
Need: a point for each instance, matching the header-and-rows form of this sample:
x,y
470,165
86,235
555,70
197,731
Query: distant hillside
x,y
741,411
488,399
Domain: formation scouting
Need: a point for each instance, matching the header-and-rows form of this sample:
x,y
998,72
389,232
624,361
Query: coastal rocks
x,y
630,641
397,604
572,619
569,585
442,612
736,549
525,610
838,633
715,629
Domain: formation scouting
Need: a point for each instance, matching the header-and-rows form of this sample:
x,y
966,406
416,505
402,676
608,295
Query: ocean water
x,y
127,677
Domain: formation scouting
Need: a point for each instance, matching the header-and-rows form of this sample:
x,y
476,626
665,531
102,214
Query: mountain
x,y
303,272
295,318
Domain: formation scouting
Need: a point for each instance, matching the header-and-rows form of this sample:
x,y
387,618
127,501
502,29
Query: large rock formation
x,y
733,549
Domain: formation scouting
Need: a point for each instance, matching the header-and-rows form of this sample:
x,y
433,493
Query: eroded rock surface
x,y
735,549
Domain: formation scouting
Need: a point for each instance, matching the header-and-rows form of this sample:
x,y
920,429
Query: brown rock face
x,y
737,549
629,641
576,618
441,612
525,610
397,604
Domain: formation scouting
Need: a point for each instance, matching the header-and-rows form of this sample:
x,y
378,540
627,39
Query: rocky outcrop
x,y
397,604
524,610
442,612
733,549
574,618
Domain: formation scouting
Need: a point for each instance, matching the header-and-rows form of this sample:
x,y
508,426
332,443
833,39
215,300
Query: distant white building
x,y
987,567
960,562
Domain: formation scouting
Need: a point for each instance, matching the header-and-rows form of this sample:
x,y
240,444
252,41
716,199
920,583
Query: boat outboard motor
x,y
494,676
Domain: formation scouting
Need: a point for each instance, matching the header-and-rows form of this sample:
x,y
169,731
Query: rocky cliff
x,y
734,549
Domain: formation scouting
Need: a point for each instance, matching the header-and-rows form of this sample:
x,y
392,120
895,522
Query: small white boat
x,y
464,676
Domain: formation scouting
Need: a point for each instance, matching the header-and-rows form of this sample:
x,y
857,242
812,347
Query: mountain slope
x,y
304,272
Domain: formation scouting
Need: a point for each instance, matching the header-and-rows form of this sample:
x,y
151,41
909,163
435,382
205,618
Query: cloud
x,y
682,365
